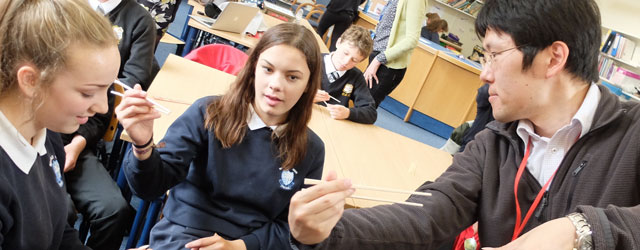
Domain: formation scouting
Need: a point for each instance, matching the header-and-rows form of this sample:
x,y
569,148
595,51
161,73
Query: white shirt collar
x,y
583,117
107,6
19,150
329,67
255,122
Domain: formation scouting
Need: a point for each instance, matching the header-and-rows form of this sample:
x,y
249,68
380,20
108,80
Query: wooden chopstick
x,y
335,99
309,181
384,200
164,99
156,105
165,110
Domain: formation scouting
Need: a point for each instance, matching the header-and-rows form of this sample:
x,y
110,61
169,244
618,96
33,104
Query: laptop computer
x,y
234,18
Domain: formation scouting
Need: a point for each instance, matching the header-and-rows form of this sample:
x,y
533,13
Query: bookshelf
x,y
619,62
467,7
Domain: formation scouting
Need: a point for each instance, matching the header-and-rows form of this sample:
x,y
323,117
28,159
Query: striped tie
x,y
333,76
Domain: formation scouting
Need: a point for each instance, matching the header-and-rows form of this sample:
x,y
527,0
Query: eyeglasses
x,y
489,57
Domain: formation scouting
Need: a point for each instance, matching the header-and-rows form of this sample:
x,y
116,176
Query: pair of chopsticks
x,y
308,181
335,99
156,105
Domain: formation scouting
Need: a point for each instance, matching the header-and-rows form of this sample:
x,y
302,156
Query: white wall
x,y
621,15
459,24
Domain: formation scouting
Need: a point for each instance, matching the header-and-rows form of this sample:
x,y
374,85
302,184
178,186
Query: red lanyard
x,y
519,226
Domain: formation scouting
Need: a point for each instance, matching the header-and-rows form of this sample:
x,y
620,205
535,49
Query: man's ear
x,y
28,77
558,54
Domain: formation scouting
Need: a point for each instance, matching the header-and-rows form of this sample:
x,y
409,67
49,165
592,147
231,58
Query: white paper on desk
x,y
256,24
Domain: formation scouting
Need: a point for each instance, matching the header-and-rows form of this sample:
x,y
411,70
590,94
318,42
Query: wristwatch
x,y
583,232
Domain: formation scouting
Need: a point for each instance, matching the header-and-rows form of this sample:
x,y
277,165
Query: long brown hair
x,y
438,25
227,116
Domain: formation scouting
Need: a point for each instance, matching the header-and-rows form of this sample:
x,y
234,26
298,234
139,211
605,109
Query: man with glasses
x,y
558,169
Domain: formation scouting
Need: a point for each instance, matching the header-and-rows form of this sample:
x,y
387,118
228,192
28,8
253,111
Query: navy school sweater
x,y
136,31
351,86
238,192
33,207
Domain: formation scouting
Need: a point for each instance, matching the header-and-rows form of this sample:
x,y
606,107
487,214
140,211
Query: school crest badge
x,y
287,178
55,166
348,88
117,30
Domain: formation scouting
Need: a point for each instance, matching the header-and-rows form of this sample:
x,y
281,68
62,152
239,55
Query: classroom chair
x,y
295,4
219,56
326,38
313,11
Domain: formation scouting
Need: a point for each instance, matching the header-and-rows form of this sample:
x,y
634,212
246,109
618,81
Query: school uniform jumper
x,y
33,204
430,35
137,33
238,192
350,86
93,191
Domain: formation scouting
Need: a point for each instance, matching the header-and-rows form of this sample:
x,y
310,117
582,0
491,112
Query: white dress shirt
x,y
21,152
105,7
547,153
330,68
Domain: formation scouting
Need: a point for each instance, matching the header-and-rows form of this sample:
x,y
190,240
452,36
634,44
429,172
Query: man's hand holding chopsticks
x,y
314,211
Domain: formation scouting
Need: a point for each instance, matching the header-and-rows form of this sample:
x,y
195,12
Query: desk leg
x,y
188,43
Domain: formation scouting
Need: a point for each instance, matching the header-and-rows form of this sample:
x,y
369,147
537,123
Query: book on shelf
x,y
459,3
626,79
621,48
614,45
604,38
607,43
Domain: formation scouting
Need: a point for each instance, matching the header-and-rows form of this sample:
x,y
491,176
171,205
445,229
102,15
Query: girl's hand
x,y
136,115
216,242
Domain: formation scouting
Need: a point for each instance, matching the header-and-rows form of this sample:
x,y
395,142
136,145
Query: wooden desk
x,y
243,39
439,85
367,154
366,21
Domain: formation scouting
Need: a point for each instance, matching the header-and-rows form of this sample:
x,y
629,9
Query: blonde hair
x,y
40,32
358,37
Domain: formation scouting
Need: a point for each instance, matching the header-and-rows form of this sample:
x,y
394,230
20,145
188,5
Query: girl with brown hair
x,y
45,84
233,162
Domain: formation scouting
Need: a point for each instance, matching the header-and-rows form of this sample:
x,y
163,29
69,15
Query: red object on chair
x,y
219,56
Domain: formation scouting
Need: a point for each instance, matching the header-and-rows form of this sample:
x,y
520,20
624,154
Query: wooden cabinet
x,y
439,85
